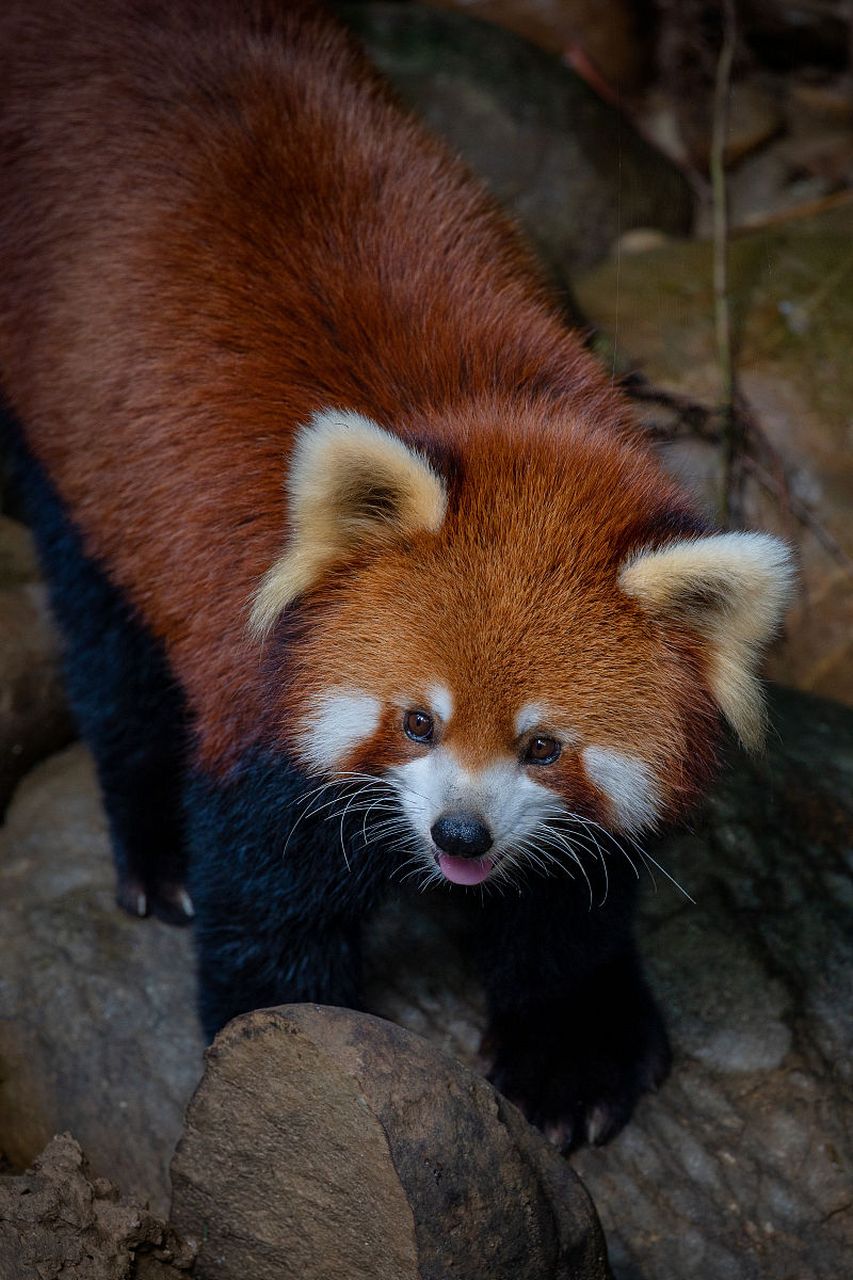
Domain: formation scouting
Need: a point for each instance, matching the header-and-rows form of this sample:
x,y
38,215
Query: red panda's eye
x,y
542,750
418,726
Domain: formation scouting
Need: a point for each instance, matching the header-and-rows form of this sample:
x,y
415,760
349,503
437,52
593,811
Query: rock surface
x,y
570,169
742,1166
792,312
34,718
97,1033
56,1223
612,34
323,1141
18,561
739,1168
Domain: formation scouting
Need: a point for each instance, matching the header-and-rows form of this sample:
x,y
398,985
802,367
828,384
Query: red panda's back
x,y
215,223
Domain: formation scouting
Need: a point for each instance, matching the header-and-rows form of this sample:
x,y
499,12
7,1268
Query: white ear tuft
x,y
732,588
350,484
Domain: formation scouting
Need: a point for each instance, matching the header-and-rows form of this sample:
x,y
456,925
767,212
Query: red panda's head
x,y
522,630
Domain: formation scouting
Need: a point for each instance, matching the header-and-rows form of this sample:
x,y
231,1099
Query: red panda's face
x,y
514,712
540,657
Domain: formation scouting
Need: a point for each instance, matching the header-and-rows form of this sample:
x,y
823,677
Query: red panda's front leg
x,y
575,1036
127,704
278,915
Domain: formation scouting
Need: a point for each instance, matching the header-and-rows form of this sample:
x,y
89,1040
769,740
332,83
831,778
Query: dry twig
x,y
730,503
757,459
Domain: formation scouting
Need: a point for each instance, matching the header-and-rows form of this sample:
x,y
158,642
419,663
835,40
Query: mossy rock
x,y
791,304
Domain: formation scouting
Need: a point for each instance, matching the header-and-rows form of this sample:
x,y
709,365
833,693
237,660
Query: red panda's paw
x,y
581,1086
168,900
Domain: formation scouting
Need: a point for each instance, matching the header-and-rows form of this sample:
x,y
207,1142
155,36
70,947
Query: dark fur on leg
x,y
128,708
575,1036
278,917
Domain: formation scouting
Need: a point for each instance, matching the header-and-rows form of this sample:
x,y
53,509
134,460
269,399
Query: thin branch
x,y
801,513
759,459
729,501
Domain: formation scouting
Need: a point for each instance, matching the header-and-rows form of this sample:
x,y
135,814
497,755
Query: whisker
x,y
367,812
669,877
343,815
580,819
312,798
643,853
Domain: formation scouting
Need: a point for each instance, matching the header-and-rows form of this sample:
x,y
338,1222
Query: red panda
x,y
338,516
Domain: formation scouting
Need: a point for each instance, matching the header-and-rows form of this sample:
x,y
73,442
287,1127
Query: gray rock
x,y
324,1143
18,563
34,718
614,35
97,1025
563,162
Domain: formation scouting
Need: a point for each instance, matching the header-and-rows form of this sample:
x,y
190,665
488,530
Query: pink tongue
x,y
465,870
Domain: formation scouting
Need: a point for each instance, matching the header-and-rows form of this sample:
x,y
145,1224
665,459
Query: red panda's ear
x,y
350,484
732,588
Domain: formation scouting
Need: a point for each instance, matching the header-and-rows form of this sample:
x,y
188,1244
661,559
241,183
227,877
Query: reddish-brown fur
x,y
213,228
516,600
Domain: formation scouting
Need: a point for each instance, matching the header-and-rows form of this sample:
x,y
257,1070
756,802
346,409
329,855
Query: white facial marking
x,y
337,721
628,784
529,717
534,716
440,701
511,804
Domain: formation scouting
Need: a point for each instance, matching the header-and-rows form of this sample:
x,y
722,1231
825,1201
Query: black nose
x,y
462,835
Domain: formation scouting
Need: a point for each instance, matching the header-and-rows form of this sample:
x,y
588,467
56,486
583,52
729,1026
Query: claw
x,y
598,1125
560,1134
169,900
132,898
172,904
